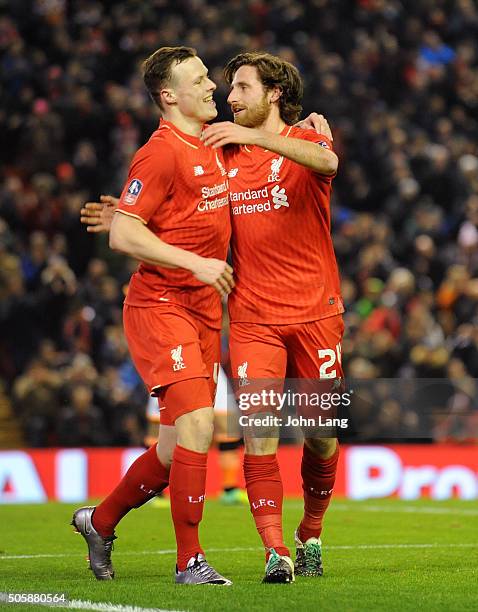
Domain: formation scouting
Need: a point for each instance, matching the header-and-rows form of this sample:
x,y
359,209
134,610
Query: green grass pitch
x,y
378,555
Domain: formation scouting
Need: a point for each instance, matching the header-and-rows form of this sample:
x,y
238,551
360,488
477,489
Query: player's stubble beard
x,y
256,115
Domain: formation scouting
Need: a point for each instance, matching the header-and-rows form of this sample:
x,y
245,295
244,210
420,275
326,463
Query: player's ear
x,y
274,94
168,96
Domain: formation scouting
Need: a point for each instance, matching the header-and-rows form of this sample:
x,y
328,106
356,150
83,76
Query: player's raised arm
x,y
318,157
130,236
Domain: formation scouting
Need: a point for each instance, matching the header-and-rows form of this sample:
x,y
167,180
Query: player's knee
x,y
204,432
323,447
195,430
260,446
166,444
165,456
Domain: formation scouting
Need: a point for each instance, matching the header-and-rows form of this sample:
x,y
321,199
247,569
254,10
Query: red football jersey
x,y
179,189
283,258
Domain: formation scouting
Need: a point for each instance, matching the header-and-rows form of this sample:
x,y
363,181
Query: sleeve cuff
x,y
128,214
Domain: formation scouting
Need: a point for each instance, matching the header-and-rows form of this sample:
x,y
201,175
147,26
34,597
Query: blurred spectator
x,y
36,396
81,423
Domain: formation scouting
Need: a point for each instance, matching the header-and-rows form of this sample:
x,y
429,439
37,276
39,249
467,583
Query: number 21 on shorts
x,y
330,358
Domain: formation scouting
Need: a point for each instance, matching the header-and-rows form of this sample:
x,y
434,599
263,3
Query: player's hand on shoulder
x,y
97,216
316,122
226,132
214,272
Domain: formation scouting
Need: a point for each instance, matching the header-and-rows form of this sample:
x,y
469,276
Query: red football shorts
x,y
309,350
300,350
176,355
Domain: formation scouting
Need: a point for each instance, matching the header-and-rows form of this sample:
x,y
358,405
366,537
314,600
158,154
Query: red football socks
x,y
146,477
187,485
318,478
265,492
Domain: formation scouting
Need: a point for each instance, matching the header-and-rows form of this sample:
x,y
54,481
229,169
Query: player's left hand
x,y
316,122
97,216
226,132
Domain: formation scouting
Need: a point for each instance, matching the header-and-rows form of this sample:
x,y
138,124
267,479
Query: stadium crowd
x,y
398,83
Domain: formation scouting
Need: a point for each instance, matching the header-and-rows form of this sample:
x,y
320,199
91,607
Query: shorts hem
x,y
187,411
156,388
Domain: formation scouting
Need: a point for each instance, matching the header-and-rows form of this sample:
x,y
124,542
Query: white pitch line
x,y
126,553
140,553
100,606
78,604
402,509
405,509
379,546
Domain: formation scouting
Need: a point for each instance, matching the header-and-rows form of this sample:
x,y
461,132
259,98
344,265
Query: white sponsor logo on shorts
x,y
242,373
176,356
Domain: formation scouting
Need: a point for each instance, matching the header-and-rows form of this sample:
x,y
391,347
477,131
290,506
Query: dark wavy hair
x,y
273,72
157,68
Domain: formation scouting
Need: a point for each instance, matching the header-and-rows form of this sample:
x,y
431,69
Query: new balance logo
x,y
242,373
275,169
176,356
279,197
198,170
233,172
